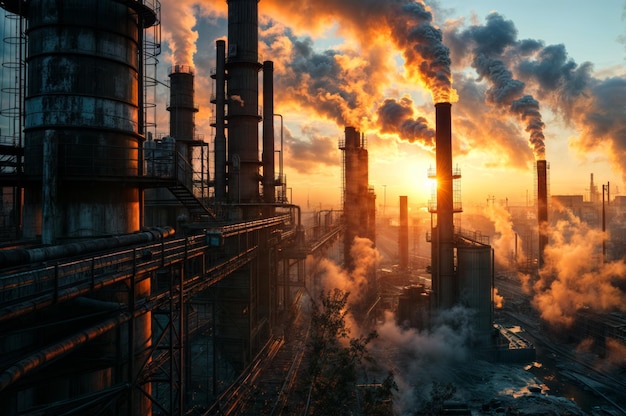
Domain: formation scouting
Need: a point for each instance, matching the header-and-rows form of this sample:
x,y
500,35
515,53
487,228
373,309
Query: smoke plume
x,y
410,24
504,241
398,117
574,275
489,44
423,357
179,19
365,256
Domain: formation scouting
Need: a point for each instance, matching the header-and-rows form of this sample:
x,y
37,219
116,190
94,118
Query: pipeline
x,y
22,256
58,350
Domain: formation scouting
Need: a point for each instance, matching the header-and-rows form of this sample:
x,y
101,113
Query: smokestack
x,y
359,202
542,207
220,126
443,273
243,102
268,133
182,109
592,190
181,106
403,238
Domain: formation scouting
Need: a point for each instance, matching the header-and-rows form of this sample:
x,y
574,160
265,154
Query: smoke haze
x,y
574,276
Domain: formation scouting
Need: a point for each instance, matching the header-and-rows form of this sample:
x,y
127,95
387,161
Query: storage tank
x,y
82,135
82,102
474,276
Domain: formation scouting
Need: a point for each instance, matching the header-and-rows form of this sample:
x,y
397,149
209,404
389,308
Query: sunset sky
x,y
351,63
547,72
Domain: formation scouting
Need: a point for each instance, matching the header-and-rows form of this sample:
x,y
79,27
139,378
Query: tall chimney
x,y
182,109
243,102
268,133
403,237
445,286
542,207
220,125
358,201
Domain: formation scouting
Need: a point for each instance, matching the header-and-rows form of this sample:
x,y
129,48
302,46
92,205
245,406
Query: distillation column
x,y
243,102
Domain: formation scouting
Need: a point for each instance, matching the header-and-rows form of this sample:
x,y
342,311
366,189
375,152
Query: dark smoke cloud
x,y
334,83
504,89
397,117
492,135
409,23
594,107
423,48
488,46
528,109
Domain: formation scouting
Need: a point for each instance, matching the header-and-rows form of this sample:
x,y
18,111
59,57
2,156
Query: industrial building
x,y
133,281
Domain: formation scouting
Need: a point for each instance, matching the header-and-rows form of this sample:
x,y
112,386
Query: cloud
x,y
398,117
487,45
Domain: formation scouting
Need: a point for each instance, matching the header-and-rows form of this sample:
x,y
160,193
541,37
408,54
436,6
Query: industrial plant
x,y
147,274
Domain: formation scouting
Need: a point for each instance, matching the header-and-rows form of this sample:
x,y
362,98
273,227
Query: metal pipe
x,y
280,160
58,350
220,113
20,256
269,192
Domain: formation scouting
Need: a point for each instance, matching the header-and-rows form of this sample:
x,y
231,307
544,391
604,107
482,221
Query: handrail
x,y
38,286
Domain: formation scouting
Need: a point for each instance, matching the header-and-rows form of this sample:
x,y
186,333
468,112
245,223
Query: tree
x,y
335,357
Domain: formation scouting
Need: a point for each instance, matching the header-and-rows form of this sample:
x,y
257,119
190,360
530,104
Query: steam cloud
x,y
571,279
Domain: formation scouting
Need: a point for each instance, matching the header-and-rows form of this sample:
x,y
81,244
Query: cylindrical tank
x,y
82,139
83,90
474,275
